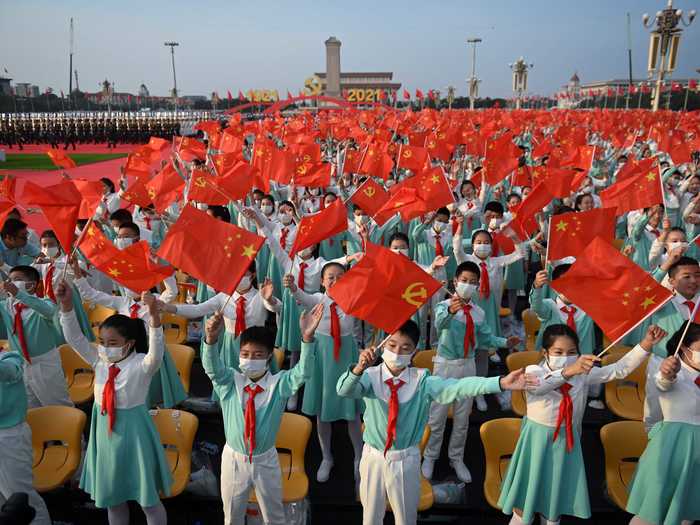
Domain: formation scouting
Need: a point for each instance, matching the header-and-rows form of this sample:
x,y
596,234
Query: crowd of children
x,y
349,370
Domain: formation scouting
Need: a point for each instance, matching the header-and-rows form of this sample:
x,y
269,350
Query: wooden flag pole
x,y
75,247
685,330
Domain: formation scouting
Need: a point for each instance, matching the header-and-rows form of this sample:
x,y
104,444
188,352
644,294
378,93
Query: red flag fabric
x,y
137,193
376,161
165,188
316,175
240,96
384,289
571,233
8,188
221,261
158,144
524,223
405,201
314,228
634,193
413,158
60,159
190,149
633,167
406,95
611,289
370,196
136,167
559,182
228,95
419,94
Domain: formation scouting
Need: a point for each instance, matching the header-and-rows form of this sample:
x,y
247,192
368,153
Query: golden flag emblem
x,y
414,292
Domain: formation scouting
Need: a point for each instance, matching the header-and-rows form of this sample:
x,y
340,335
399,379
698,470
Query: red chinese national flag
x,y
634,193
190,149
405,201
370,196
433,189
136,167
165,188
524,223
314,228
213,251
571,233
60,159
8,188
137,193
559,181
384,289
376,162
132,267
610,288
280,166
158,144
633,167
406,95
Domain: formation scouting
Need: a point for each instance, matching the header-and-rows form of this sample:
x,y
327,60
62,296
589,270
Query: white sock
x,y
324,431
156,515
119,514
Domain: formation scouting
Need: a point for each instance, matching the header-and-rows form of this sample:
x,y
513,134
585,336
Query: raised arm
x,y
69,324
43,307
219,374
88,293
156,344
293,379
537,302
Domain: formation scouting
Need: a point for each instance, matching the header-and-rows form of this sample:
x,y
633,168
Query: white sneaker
x,y
292,403
462,471
597,404
481,405
495,358
427,468
324,471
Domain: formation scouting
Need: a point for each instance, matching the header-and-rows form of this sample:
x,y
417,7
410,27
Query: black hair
x,y
28,271
466,183
561,209
268,197
329,265
683,261
48,234
443,211
131,226
15,211
495,207
691,336
220,212
288,203
121,215
108,182
258,335
560,270
511,195
677,229
579,200
81,223
130,329
257,191
12,227
411,330
553,331
477,232
469,267
399,236
329,194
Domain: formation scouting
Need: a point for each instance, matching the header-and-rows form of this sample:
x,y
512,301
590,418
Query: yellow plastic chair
x,y
499,437
174,328
625,397
424,359
426,489
278,356
80,377
96,314
4,345
56,433
623,442
532,325
292,438
515,361
183,357
177,429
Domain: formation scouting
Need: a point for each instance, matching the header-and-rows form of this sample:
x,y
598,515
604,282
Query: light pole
x,y
663,44
520,69
473,82
450,96
172,46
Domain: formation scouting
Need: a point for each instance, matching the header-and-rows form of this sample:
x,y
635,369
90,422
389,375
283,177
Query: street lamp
x,y
172,46
473,82
664,42
520,69
450,96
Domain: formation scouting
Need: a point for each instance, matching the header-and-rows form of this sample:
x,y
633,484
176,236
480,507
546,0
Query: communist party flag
x,y
613,290
132,267
571,233
413,158
384,289
634,193
210,250
333,219
316,175
60,159
370,196
165,187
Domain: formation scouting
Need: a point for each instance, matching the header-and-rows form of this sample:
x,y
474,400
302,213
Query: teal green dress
x,y
166,388
289,333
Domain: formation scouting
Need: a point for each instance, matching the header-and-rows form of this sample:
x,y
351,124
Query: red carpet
x,y
80,148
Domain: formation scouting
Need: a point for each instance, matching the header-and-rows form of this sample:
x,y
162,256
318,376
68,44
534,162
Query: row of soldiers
x,y
69,131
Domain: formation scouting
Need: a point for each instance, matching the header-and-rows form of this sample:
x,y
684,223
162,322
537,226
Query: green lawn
x,y
41,161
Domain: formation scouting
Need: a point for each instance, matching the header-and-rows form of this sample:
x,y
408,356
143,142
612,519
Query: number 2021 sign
x,y
365,95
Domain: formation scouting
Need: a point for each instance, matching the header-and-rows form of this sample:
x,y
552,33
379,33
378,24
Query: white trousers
x,y
239,476
45,382
450,368
16,459
396,476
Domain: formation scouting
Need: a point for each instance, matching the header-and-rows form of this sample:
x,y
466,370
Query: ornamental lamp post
x,y
520,69
473,82
172,46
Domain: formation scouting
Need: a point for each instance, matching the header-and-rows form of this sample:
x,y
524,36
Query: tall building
x,y
25,89
5,86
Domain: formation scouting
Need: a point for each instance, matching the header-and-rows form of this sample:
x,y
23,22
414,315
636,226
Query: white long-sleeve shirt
x,y
679,399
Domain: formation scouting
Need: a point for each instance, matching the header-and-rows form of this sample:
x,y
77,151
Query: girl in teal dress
x,y
284,231
644,232
546,474
124,459
515,272
664,490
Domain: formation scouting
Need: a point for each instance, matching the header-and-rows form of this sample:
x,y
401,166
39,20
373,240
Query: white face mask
x,y
285,218
694,356
673,245
50,251
482,250
245,283
21,285
556,362
361,219
252,368
495,223
306,252
112,354
466,290
439,227
401,251
396,361
202,206
267,209
315,192
123,242
599,183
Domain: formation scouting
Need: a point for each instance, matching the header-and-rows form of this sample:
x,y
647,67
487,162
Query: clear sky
x,y
276,44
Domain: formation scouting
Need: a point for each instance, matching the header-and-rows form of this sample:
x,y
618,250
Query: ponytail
x,y
130,329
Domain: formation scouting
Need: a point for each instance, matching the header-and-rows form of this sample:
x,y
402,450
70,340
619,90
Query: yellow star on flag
x,y
648,301
249,251
651,176
561,226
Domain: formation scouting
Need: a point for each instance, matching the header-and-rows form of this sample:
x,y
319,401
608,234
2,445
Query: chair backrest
x,y
515,361
183,357
278,356
4,345
625,397
177,429
532,324
499,437
293,437
623,443
96,315
174,328
424,359
72,363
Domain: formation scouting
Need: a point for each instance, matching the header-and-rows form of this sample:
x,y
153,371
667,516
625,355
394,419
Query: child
x,y
462,329
252,402
398,399
664,488
546,474
16,437
30,325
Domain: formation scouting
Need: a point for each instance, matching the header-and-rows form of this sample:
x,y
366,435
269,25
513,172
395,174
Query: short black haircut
x,y
12,227
220,212
557,330
268,197
258,335
29,272
477,232
121,215
329,265
48,234
443,211
399,236
683,261
131,226
560,270
677,229
410,329
692,335
561,209
495,207
259,192
469,267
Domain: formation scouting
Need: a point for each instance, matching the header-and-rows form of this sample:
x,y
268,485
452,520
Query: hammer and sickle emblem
x,y
369,192
407,153
312,86
307,158
413,292
151,193
200,182
301,170
432,144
